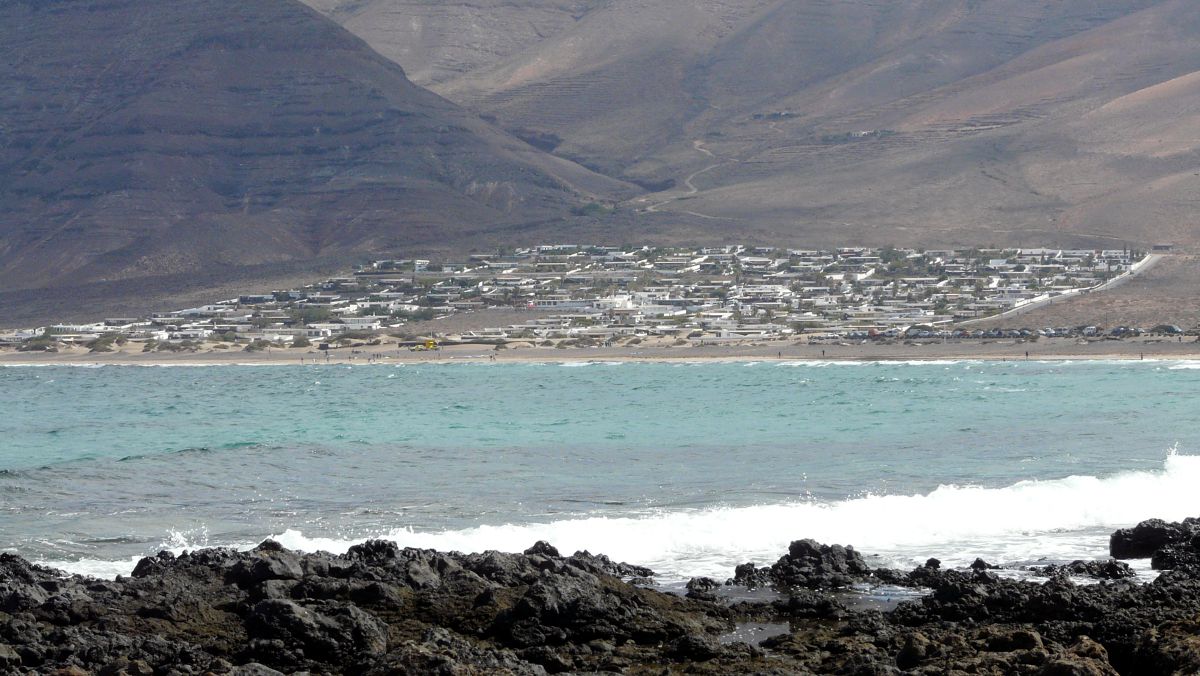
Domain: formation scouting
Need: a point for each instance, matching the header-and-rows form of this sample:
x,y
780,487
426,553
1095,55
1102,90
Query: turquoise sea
x,y
690,468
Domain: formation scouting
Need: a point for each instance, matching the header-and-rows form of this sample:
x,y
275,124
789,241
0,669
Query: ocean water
x,y
689,468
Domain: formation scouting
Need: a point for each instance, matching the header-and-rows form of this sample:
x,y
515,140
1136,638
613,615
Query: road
x,y
1150,261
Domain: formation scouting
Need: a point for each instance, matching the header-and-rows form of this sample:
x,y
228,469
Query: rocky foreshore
x,y
381,609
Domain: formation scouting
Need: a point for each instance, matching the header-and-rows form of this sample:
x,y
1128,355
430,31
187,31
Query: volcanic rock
x,y
1142,540
382,609
1101,570
807,564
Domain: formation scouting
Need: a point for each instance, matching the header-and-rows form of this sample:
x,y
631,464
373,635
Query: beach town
x,y
577,296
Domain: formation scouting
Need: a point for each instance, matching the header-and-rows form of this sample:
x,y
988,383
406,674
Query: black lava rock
x,y
1141,541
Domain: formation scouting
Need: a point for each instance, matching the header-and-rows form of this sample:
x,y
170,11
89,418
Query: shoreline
x,y
1064,350
379,608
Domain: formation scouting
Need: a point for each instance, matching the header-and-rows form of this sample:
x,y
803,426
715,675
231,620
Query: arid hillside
x,y
933,122
186,142
1166,293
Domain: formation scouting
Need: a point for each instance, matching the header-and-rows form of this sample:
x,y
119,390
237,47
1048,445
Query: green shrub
x,y
592,209
42,343
258,345
104,343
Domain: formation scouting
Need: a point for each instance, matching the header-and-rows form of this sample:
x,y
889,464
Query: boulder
x,y
818,566
702,588
807,603
542,548
268,561
600,564
1177,555
326,631
17,596
1100,570
153,564
694,648
1141,541
807,564
749,576
9,659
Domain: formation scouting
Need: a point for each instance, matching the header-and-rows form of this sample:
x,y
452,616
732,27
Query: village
x,y
581,296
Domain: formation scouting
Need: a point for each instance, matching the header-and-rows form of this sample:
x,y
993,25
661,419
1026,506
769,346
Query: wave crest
x,y
1059,519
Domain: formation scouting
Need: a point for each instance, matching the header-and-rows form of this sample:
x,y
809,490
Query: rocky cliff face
x,y
143,140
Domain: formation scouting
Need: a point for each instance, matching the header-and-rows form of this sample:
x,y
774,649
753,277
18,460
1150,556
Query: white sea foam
x,y
42,365
98,568
822,363
925,362
175,542
161,365
1060,519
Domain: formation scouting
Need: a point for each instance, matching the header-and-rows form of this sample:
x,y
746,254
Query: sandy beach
x,y
391,352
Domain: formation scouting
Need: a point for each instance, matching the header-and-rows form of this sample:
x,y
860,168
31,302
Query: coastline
x,y
779,351
383,609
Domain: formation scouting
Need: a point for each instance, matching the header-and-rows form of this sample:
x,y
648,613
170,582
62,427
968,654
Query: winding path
x,y
689,185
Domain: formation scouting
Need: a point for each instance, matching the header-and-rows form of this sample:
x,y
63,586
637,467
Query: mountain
x,y
933,122
184,142
159,147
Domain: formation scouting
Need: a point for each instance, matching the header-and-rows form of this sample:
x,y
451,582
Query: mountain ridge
x,y
858,121
189,134
201,141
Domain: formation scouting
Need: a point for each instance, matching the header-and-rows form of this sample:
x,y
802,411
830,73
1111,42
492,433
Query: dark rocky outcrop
x,y
980,564
1175,556
702,588
383,609
807,564
377,609
1101,570
1169,546
1144,539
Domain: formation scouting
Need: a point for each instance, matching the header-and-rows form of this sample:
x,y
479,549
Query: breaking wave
x,y
1060,519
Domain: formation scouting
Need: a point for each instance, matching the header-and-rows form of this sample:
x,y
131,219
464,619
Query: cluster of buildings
x,y
599,294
